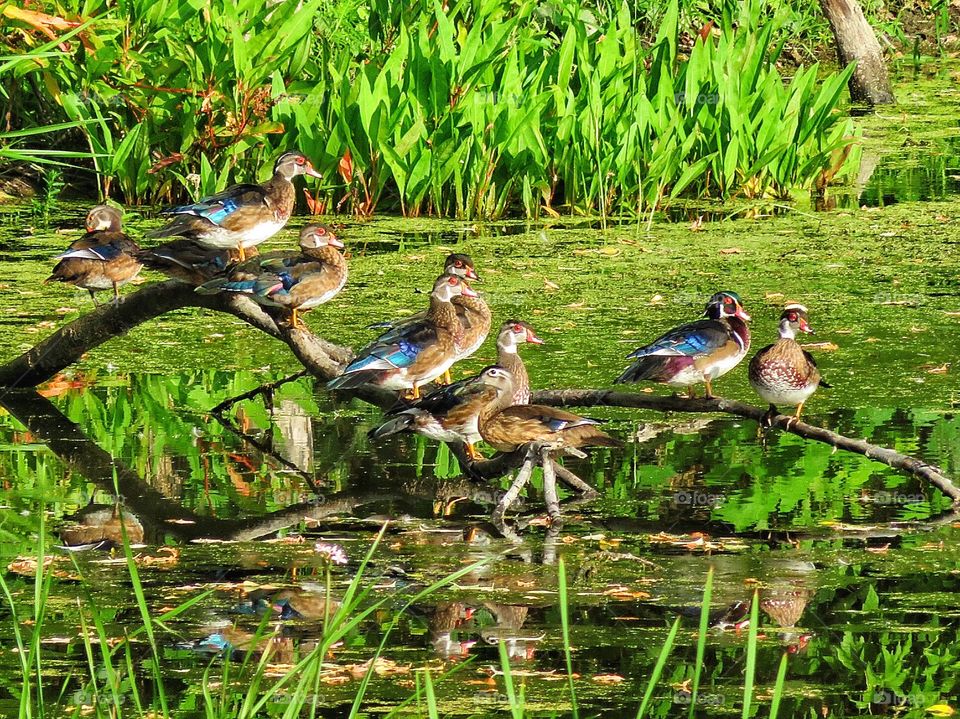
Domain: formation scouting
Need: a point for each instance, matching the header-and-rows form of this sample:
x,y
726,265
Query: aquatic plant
x,y
480,109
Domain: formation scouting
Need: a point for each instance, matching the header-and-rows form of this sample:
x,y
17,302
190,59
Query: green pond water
x,y
856,564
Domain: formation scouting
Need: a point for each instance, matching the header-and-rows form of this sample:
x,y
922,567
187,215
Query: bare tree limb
x,y
609,398
325,360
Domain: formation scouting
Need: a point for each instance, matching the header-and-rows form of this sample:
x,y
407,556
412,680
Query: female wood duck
x,y
243,215
188,261
295,281
513,333
507,427
451,413
409,359
474,314
102,259
784,373
697,352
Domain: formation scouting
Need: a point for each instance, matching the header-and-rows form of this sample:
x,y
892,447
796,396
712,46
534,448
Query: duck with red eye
x,y
241,216
407,360
104,258
295,281
697,352
784,373
472,311
451,413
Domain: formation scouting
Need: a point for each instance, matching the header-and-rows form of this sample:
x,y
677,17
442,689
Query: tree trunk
x,y
856,42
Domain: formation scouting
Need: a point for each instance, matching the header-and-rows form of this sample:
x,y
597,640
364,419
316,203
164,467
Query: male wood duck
x,y
297,282
507,427
697,352
187,260
103,259
406,360
451,413
242,215
784,373
474,314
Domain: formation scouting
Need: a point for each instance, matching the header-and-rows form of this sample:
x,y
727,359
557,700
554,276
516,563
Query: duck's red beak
x,y
805,327
311,171
335,241
468,291
533,339
472,275
741,313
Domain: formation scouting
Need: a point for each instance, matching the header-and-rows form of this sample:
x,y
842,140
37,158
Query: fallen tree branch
x,y
609,398
325,360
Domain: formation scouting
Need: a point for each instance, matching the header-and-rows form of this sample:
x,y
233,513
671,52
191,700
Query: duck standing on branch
x,y
104,258
784,373
508,427
187,260
406,359
451,413
473,312
295,281
242,215
697,352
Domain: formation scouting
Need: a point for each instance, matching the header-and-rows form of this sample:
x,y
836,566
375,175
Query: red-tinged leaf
x,y
345,167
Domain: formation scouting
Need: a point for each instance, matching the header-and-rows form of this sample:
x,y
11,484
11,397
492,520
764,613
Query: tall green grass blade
x,y
658,668
751,667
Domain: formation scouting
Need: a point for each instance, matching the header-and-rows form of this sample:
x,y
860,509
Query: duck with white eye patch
x,y
407,360
784,373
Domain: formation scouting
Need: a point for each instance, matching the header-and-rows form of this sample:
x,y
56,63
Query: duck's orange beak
x,y
533,339
468,291
311,171
741,313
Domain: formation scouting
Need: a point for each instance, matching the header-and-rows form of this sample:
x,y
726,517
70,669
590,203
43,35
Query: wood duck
x,y
104,258
409,359
513,333
187,260
697,352
448,414
295,281
474,314
242,215
451,413
784,373
507,427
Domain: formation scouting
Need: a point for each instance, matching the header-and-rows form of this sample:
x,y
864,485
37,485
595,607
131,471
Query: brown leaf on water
x,y
938,369
171,558
730,251
697,224
821,346
883,549
550,285
607,678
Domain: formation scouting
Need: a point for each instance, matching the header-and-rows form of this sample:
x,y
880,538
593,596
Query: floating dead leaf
x,y
883,549
952,314
730,251
917,330
607,678
171,556
821,346
939,369
65,310
773,296
872,339
697,224
609,251
610,543
657,300
550,285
